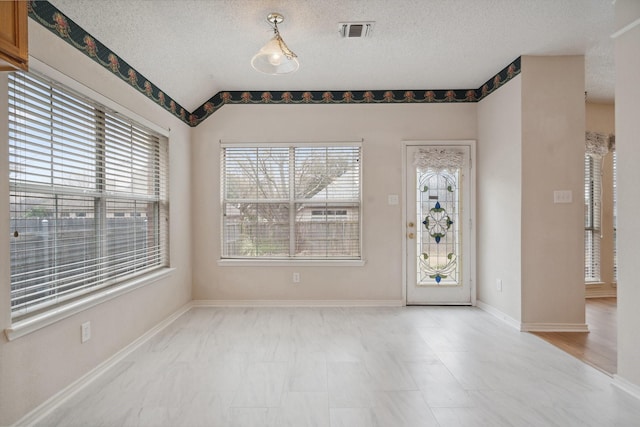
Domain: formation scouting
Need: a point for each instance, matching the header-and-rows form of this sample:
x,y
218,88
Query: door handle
x,y
411,224
410,235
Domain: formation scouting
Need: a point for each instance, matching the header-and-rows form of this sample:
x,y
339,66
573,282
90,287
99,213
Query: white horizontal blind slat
x,y
89,196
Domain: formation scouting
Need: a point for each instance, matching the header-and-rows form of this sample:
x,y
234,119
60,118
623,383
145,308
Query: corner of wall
x,y
627,46
553,125
499,171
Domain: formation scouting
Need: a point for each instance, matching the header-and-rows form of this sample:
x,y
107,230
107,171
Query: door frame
x,y
472,198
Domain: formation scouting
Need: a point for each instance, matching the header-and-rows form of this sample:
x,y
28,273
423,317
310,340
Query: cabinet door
x,y
13,35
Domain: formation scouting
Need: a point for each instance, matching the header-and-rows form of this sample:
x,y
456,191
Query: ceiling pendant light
x,y
275,57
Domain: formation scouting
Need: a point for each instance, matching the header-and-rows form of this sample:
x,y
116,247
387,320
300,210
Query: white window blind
x,y
592,198
88,190
291,202
615,215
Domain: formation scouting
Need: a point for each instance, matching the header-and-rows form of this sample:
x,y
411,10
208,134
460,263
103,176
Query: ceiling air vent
x,y
355,30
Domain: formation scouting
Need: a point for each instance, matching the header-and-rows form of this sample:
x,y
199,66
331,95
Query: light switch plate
x,y
562,196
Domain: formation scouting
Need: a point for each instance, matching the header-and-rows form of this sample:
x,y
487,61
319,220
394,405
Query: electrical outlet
x,y
86,332
499,285
296,277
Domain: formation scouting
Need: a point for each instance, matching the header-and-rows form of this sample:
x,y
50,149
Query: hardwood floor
x,y
352,367
597,347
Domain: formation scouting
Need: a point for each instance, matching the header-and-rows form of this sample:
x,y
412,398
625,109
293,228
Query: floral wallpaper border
x,y
53,19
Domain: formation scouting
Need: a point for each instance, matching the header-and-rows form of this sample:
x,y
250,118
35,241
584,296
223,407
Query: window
x,y
592,199
76,168
322,214
291,202
615,215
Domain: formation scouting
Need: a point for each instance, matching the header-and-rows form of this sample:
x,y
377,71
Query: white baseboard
x,y
298,303
554,327
532,327
597,293
625,385
59,398
499,314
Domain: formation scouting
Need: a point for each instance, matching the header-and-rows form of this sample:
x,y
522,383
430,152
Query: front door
x,y
439,252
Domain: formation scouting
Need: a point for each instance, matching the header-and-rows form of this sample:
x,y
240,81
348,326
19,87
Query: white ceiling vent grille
x,y
355,30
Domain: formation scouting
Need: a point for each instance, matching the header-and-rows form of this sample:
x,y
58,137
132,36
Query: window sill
x,y
594,284
32,324
289,263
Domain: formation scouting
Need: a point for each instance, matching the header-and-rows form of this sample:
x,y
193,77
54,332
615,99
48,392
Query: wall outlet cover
x,y
85,331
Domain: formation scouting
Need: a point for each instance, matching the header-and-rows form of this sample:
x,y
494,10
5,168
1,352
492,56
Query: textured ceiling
x,y
192,49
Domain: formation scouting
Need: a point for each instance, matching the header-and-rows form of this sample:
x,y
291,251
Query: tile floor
x,y
413,366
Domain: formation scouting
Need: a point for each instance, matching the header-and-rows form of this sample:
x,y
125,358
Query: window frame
x,y
593,217
22,325
614,172
292,260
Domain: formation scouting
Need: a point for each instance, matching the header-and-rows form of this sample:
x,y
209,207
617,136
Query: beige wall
x,y
382,127
534,123
530,143
500,199
601,118
36,366
627,46
553,123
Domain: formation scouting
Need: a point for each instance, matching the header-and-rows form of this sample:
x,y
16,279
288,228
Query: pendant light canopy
x,y
275,57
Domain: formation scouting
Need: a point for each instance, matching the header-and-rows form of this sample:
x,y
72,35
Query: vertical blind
x,y
88,195
592,199
291,202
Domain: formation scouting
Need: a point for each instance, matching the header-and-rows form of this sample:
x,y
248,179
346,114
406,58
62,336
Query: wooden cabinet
x,y
13,35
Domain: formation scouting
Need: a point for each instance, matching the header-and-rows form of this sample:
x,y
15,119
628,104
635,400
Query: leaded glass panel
x,y
438,237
